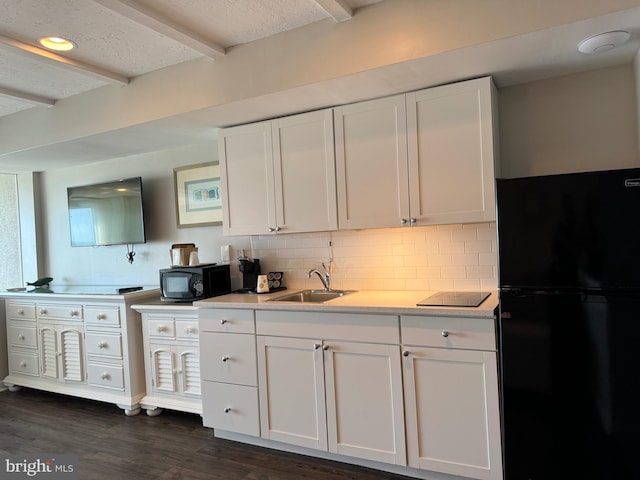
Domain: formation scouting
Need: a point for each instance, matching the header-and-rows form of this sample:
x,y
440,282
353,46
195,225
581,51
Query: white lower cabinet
x,y
87,346
171,358
451,396
410,394
335,395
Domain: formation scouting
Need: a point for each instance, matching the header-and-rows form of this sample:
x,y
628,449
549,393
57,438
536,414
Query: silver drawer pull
x,y
190,330
105,376
445,334
102,345
223,321
21,336
161,328
227,409
405,353
21,312
101,316
23,364
43,311
73,313
225,358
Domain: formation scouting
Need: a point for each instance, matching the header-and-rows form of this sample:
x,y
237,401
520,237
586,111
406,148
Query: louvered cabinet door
x,y
61,355
49,351
71,357
189,370
164,371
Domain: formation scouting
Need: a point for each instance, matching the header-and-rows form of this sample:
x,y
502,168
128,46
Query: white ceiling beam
x,y
163,25
338,9
27,97
60,61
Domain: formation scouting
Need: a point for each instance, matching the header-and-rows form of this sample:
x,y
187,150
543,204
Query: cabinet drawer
x,y
59,311
449,332
21,311
22,335
226,320
23,363
187,330
106,315
107,376
104,344
233,408
228,357
161,328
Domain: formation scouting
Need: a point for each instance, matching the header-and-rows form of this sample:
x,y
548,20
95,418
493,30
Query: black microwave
x,y
188,284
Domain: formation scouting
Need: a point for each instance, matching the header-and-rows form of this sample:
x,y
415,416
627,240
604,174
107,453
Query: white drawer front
x,y
187,330
59,311
449,332
104,344
228,357
233,408
107,376
22,336
162,328
23,363
21,311
106,315
226,320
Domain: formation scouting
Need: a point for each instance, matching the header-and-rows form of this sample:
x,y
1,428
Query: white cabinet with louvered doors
x,y
171,358
85,345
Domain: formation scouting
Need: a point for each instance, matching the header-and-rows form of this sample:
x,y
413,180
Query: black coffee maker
x,y
250,269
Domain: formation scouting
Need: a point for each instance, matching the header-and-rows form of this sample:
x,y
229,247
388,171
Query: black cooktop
x,y
454,299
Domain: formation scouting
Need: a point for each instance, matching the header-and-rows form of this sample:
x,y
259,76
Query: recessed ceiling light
x,y
58,44
603,42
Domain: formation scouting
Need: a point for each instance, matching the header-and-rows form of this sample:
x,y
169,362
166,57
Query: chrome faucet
x,y
324,277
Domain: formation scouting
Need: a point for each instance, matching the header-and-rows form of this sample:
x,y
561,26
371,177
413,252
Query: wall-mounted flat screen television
x,y
109,213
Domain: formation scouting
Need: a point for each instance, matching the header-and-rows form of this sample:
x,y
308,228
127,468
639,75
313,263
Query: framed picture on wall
x,y
198,197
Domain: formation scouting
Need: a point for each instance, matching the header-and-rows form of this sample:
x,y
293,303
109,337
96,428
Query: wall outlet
x,y
224,254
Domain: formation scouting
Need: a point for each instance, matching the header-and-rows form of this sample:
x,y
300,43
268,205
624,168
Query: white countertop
x,y
364,301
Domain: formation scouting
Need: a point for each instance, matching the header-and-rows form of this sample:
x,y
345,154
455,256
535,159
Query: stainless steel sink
x,y
311,296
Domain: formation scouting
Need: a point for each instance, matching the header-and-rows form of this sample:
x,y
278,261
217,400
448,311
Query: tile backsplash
x,y
445,257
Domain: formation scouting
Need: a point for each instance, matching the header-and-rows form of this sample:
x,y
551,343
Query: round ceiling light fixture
x,y
59,44
603,42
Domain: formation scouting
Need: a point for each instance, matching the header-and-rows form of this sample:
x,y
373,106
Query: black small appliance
x,y
188,284
250,269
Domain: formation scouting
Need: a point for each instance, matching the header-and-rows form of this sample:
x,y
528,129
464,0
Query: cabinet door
x,y
291,389
365,416
163,368
246,174
48,351
304,172
61,355
453,423
371,163
188,370
451,153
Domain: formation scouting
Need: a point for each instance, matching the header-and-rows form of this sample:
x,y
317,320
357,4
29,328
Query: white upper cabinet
x,y
371,163
279,175
423,158
451,153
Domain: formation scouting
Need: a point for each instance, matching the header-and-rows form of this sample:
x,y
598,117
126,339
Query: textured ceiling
x,y
118,43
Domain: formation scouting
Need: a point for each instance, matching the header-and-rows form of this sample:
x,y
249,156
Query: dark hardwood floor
x,y
171,446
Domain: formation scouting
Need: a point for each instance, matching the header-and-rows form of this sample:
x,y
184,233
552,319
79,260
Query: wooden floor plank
x,y
171,446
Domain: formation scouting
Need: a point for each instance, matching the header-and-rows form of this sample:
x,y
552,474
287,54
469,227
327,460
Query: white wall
x,y
108,265
581,122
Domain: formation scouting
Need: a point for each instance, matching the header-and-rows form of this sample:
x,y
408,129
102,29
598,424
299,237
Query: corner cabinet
x,y
424,158
82,345
171,358
279,175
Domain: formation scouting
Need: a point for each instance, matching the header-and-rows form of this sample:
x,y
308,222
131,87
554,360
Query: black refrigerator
x,y
569,325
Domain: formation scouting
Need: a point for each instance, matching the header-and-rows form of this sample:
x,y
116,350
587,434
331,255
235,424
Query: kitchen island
x,y
368,378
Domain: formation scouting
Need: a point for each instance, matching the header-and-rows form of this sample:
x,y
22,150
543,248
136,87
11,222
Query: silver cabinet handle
x,y
105,376
316,346
20,312
43,311
23,364
325,347
102,345
403,221
101,316
73,313
413,221
405,353
225,358
227,409
223,321
189,330
271,229
161,328
21,336
445,334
